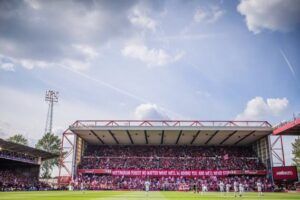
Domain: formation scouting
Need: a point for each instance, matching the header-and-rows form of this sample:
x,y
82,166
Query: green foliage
x,y
18,138
50,143
296,153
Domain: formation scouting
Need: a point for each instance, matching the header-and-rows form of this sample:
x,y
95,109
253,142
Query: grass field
x,y
134,195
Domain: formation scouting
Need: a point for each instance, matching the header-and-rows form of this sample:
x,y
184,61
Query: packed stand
x,y
12,180
170,157
107,182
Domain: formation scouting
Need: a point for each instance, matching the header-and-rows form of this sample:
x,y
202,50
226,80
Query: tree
x,y
18,138
50,143
296,153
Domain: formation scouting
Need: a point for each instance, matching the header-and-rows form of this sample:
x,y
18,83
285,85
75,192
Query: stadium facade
x,y
84,133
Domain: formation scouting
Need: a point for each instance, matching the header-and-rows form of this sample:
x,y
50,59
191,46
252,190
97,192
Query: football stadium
x,y
153,159
149,99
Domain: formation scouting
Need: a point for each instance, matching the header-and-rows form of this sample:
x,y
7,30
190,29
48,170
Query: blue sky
x,y
172,59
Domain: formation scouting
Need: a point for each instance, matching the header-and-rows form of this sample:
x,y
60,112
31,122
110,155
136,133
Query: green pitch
x,y
134,195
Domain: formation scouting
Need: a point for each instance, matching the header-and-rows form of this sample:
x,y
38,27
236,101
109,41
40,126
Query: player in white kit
x,y
228,187
70,187
82,187
236,188
241,189
259,188
221,185
147,186
204,188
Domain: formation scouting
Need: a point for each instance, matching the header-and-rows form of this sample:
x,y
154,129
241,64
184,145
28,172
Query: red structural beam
x,y
169,123
288,128
64,166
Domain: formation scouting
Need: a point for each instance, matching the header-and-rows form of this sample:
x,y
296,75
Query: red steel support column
x,y
282,149
65,153
277,151
59,161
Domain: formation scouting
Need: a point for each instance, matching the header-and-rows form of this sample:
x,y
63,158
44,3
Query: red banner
x,y
285,173
94,171
127,172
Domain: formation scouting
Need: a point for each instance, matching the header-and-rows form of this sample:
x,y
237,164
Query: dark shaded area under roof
x,y
5,164
171,132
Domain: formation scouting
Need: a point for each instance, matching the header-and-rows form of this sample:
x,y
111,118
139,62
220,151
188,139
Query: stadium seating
x,y
166,158
14,180
170,157
19,171
107,182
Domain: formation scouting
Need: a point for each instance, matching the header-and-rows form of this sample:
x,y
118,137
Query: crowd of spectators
x,y
176,163
107,182
13,180
170,157
166,151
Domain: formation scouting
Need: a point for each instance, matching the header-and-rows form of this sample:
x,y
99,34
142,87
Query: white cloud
x,y
30,64
208,15
86,53
275,15
76,65
6,129
152,57
140,18
53,32
9,63
203,93
7,66
258,109
33,4
277,106
150,111
86,50
185,36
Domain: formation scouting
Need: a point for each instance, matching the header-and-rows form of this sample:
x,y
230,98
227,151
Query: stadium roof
x,y
288,128
170,132
11,146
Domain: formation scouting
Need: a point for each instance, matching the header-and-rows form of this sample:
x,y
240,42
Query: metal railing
x,y
168,123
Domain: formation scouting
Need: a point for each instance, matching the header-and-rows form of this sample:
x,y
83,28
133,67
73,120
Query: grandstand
x,y
173,155
20,166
